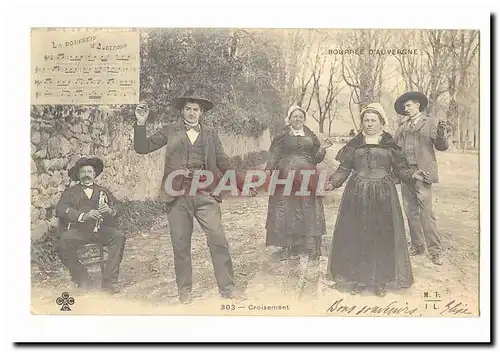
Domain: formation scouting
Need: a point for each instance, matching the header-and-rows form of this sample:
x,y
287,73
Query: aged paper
x,y
84,66
347,250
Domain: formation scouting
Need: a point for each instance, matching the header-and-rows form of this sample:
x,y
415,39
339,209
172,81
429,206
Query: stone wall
x,y
61,135
58,139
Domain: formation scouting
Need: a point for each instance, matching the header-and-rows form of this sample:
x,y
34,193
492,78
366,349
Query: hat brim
x,y
179,103
399,103
96,163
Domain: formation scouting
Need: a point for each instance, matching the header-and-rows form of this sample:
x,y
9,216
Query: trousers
x,y
421,219
207,212
74,239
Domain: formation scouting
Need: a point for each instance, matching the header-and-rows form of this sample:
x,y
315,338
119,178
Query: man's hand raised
x,y
141,113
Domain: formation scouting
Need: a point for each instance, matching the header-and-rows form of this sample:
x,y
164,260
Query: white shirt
x,y
88,191
374,139
300,132
191,133
415,119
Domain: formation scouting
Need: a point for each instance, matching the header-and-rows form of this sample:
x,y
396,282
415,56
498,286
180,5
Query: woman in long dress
x,y
369,244
295,223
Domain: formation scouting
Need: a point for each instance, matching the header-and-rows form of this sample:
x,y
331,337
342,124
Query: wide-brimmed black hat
x,y
179,102
96,163
421,98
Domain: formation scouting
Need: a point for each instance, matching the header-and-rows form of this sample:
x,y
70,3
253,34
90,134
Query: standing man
x,y
87,214
191,146
418,135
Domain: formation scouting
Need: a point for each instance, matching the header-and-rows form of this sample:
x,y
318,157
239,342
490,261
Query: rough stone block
x,y
36,138
58,146
34,169
39,230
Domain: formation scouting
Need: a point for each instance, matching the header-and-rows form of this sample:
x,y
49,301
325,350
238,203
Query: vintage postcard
x,y
259,172
270,172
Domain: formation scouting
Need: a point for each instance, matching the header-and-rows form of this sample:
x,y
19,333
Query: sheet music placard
x,y
84,66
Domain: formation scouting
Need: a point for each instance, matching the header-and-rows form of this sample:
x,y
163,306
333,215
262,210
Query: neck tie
x,y
88,190
413,120
411,124
195,128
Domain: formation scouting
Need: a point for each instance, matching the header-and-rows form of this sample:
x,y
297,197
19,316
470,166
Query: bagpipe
x,y
103,199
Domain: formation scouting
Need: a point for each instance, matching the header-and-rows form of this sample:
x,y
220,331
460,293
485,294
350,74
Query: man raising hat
x,y
87,214
191,147
418,135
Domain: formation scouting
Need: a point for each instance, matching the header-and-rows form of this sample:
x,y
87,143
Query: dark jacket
x,y
74,202
277,152
427,140
176,154
400,168
281,158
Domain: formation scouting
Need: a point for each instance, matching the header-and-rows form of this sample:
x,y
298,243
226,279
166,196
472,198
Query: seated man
x,y
87,214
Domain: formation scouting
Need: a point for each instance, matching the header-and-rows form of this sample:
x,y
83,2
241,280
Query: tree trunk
x,y
432,106
329,122
352,115
466,144
321,123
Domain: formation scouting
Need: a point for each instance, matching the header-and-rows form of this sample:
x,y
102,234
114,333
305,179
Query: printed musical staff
x,y
85,82
86,70
101,67
108,57
73,96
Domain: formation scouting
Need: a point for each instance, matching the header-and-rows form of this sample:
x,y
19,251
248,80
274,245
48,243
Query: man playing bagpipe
x,y
87,214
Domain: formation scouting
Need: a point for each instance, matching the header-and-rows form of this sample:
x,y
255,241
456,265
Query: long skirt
x,y
369,245
296,221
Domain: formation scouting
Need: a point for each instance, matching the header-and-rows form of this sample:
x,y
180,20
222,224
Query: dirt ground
x,y
148,281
